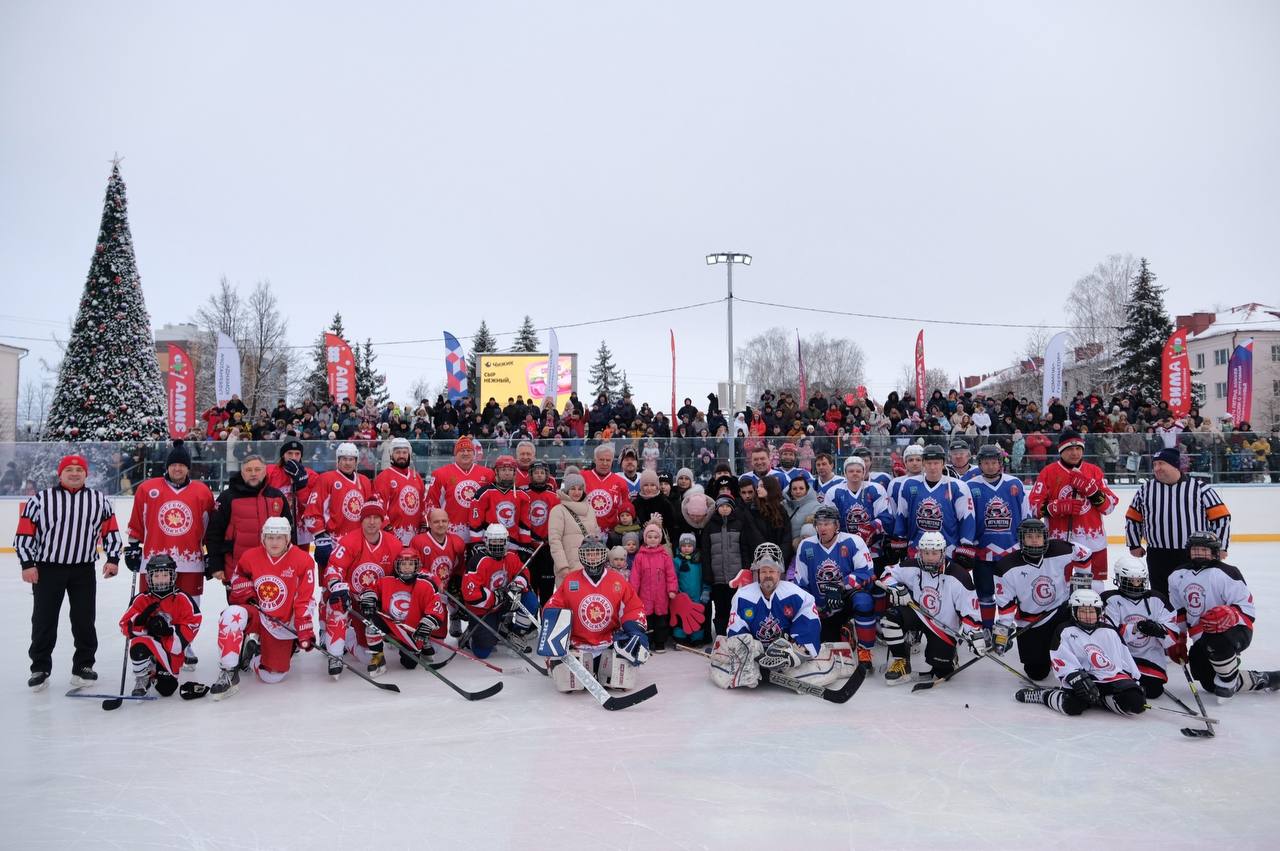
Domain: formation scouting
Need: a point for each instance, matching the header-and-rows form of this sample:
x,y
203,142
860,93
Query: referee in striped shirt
x,y
57,543
1165,511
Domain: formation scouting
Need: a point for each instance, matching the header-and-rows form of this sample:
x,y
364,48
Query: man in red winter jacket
x,y
1072,495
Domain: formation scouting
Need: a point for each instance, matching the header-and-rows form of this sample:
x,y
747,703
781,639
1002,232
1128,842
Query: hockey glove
x,y
133,556
306,636
158,627
1000,638
241,590
1081,577
1178,651
553,641
1151,629
1066,506
339,595
324,539
832,589
965,556
1082,484
780,653
899,544
977,639
631,643
867,531
297,474
899,595
1219,619
426,626
742,580
369,603
1084,686
686,614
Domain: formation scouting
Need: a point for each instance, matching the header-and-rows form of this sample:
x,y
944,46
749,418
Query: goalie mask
x,y
495,540
593,556
162,575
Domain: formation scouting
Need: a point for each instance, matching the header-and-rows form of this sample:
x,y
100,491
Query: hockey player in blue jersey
x,y
787,471
999,506
935,502
863,506
961,466
882,479
761,466
826,479
774,625
835,567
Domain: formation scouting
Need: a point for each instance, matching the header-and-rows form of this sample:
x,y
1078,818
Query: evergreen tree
x,y
604,374
481,341
625,390
526,337
1142,339
109,385
369,382
316,385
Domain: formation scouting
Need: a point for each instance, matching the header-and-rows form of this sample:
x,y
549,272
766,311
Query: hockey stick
x,y
116,698
1204,718
409,651
506,642
958,638
359,673
114,701
835,695
458,651
1191,733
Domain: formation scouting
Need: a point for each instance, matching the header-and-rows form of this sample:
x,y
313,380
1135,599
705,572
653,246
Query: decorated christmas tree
x,y
109,385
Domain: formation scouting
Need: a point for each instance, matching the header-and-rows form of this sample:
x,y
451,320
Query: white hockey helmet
x,y
495,539
935,546
401,443
1132,576
915,450
1085,599
347,449
854,460
276,526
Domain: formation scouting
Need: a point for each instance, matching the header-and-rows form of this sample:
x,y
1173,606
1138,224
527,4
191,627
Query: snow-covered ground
x,y
310,761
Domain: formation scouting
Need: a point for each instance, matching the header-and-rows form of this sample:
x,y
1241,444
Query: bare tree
x,y
425,388
269,367
32,408
1095,311
768,362
934,379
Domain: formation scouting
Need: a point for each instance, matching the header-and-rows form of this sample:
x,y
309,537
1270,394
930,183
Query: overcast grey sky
x,y
419,166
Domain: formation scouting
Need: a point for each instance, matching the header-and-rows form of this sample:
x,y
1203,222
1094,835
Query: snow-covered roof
x,y
1245,319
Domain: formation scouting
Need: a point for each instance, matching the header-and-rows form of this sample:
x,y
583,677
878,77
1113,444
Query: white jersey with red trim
x,y
440,559
947,597
1028,593
453,489
359,563
1194,591
335,503
170,519
1100,652
1127,612
402,493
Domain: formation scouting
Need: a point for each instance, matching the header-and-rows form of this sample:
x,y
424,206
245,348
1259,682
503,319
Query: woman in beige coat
x,y
568,524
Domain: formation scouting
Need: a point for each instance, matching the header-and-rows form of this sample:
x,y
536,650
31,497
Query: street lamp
x,y
728,258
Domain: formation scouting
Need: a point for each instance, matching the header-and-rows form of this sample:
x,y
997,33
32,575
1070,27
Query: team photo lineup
x,y
778,576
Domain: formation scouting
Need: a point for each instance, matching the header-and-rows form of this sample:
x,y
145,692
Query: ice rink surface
x,y
314,763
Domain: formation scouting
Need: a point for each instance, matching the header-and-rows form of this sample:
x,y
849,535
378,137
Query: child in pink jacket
x,y
653,575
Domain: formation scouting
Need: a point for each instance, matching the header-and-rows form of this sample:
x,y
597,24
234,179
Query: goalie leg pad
x,y
834,663
733,661
563,678
615,672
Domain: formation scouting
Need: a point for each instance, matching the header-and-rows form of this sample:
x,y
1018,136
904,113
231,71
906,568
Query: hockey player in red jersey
x,y
542,498
443,553
294,480
1073,496
401,490
407,607
272,608
160,624
492,587
454,486
607,492
597,616
500,502
359,561
333,508
170,516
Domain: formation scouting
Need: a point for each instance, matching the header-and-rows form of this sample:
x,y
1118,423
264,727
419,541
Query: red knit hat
x,y
372,508
68,460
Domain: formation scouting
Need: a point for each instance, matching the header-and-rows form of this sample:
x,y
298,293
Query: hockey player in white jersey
x,y
945,594
1092,663
1216,608
773,624
1030,591
1144,620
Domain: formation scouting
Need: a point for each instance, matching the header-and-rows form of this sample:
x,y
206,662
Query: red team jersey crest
x,y
335,502
599,609
401,493
361,564
440,559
